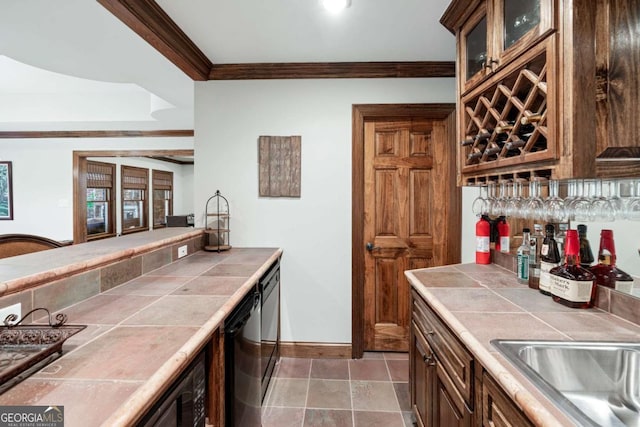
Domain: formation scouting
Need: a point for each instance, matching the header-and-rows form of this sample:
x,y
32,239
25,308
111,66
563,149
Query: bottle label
x,y
482,244
504,244
523,267
544,250
571,290
625,286
545,277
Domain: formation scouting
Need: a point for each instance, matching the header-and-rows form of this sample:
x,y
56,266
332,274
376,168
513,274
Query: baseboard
x,y
313,350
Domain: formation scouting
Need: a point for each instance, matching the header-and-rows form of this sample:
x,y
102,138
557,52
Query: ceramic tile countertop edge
x,y
152,389
535,409
89,256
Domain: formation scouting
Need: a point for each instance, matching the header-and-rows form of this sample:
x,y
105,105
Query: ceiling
x,y
81,38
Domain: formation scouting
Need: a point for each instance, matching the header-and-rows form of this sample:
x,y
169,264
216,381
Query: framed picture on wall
x,y
6,191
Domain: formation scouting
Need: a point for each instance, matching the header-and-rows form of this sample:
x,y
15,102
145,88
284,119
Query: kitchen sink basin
x,y
594,383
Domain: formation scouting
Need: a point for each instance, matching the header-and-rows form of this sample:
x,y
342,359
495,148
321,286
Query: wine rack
x,y
505,122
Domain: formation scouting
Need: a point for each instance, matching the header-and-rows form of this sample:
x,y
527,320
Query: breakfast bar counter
x,y
140,334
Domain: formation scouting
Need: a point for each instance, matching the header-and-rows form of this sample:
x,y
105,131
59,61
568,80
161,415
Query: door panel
x,y
397,223
420,202
386,292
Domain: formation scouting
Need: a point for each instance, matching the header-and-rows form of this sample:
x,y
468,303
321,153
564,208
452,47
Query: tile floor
x,y
372,391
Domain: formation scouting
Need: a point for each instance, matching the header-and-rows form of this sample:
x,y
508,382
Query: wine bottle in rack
x,y
532,118
475,155
481,137
495,150
504,128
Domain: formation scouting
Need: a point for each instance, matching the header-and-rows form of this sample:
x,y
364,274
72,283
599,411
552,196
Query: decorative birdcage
x,y
217,223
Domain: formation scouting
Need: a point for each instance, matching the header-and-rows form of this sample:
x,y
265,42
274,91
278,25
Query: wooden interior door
x,y
403,212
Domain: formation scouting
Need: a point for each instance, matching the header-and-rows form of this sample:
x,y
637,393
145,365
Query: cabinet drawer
x,y
497,408
452,354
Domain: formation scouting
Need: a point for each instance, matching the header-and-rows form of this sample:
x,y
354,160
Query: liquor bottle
x,y
561,236
586,254
549,258
483,231
606,272
504,235
523,256
535,246
571,284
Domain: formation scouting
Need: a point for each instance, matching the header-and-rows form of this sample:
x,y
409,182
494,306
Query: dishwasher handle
x,y
241,315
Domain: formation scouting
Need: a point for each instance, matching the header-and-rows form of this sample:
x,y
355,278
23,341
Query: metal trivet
x,y
24,349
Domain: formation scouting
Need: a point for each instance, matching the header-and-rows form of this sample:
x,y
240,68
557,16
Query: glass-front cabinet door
x,y
522,23
477,48
499,31
475,40
520,17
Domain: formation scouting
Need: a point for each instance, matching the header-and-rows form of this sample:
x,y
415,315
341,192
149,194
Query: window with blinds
x,y
134,183
162,197
100,184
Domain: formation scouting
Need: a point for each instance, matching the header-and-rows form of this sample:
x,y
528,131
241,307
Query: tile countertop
x,y
140,336
485,302
19,272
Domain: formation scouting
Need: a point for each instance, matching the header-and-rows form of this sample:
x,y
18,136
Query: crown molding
x,y
152,23
332,70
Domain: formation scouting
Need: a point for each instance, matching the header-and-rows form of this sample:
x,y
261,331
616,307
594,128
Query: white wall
x,y
626,234
43,181
315,229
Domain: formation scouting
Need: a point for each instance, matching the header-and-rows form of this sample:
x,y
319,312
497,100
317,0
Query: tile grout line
x,y
306,399
353,409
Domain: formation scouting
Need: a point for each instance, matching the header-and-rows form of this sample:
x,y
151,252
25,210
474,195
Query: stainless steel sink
x,y
594,383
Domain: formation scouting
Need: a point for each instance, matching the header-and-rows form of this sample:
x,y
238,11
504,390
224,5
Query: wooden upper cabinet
x,y
546,87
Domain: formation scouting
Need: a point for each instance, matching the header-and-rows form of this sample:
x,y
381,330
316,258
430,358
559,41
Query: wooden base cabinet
x,y
435,399
445,391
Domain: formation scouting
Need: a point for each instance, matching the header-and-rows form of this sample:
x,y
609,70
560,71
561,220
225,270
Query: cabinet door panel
x,y
452,353
422,377
520,24
497,409
449,405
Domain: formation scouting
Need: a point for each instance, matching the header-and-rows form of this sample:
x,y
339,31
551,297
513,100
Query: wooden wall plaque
x,y
279,166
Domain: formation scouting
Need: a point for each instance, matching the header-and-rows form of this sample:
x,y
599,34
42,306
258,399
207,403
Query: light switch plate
x,y
182,251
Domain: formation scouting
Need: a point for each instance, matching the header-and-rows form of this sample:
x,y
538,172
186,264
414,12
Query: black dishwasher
x,y
270,293
243,373
183,405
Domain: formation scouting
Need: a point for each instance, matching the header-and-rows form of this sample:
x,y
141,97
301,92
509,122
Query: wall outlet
x,y
12,309
182,251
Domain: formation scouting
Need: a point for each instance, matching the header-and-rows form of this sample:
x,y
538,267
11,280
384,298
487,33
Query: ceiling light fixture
x,y
336,5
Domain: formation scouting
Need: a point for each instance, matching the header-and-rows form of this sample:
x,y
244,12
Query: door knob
x,y
370,246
